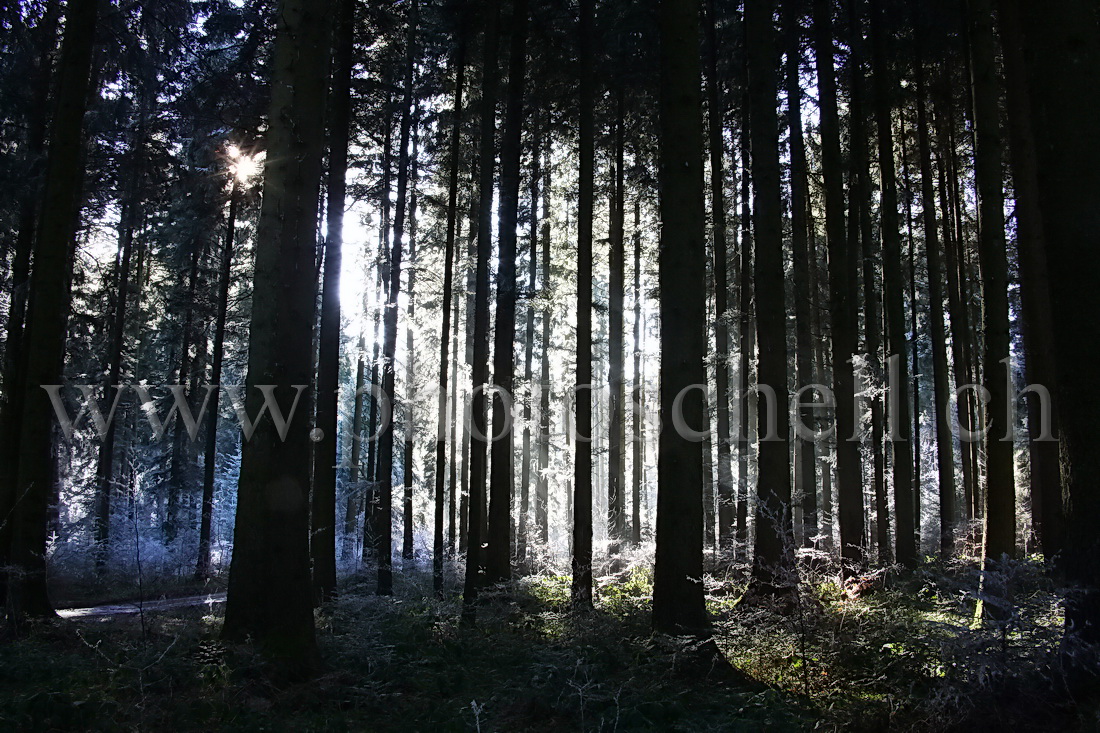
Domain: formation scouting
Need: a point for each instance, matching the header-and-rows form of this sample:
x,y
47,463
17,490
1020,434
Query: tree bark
x,y
498,565
323,515
1000,495
47,314
678,604
905,551
841,310
269,596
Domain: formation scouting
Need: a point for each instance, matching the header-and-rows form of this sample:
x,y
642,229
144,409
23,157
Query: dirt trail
x,y
133,608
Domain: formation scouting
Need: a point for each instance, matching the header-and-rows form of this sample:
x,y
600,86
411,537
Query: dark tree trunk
x,y
1000,495
47,314
905,551
1038,327
445,306
582,463
408,464
490,80
11,400
616,465
355,470
637,399
748,340
720,245
1062,45
202,566
270,597
805,474
841,309
384,511
773,569
323,516
678,571
945,460
529,351
498,559
542,489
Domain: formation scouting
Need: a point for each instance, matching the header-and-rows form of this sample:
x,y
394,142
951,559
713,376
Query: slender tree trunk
x,y
490,80
384,512
355,470
905,551
913,305
1000,495
616,467
860,242
957,314
841,309
773,568
529,349
446,303
269,595
582,462
542,489
1046,478
637,399
502,479
678,570
748,339
323,516
47,314
805,474
409,461
945,460
202,567
719,243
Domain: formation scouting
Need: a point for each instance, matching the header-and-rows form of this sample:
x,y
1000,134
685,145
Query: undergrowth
x,y
903,653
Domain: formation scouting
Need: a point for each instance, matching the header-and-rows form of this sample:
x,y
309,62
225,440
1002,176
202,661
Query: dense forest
x,y
549,365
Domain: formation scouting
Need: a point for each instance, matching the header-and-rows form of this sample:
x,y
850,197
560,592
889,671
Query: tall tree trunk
x,y
529,349
841,310
1000,495
720,247
1046,478
11,398
371,538
582,462
269,595
616,466
542,490
805,474
1062,44
957,314
773,569
355,470
502,479
914,354
323,516
490,80
202,566
637,399
408,464
748,337
105,471
446,304
945,460
678,570
47,314
905,551
384,512
861,246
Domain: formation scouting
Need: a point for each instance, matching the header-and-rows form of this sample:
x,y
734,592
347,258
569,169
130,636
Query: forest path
x,y
130,609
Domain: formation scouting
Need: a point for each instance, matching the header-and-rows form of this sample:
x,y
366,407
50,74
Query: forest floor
x,y
900,652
